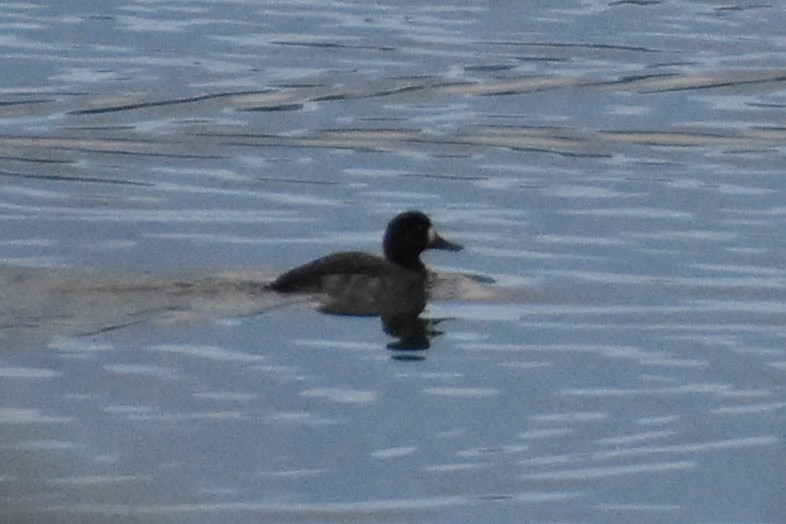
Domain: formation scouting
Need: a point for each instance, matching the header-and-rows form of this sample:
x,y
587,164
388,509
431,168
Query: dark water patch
x,y
22,109
300,85
741,8
443,176
397,91
569,45
165,103
640,78
297,181
331,97
637,3
96,144
114,327
488,67
151,154
275,108
708,81
512,86
101,129
81,179
34,160
145,147
4,103
771,105
332,45
542,59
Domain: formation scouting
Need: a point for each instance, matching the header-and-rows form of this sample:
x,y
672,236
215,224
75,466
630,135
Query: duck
x,y
360,283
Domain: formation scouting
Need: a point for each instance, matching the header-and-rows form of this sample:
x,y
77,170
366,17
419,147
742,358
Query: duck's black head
x,y
408,235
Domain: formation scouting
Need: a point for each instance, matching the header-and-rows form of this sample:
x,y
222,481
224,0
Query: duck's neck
x,y
404,259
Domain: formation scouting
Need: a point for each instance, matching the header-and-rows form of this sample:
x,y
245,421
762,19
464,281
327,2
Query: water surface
x,y
615,169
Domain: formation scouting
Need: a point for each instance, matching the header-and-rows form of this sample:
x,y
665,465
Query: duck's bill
x,y
437,242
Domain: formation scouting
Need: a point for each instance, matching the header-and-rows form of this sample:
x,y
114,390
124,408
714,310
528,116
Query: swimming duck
x,y
360,283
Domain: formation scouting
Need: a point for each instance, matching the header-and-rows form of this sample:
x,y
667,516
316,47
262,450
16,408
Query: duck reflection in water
x,y
395,287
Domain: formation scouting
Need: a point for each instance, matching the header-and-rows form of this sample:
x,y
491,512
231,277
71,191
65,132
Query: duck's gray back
x,y
310,277
357,283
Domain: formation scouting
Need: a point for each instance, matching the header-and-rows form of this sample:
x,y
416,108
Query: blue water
x,y
613,168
